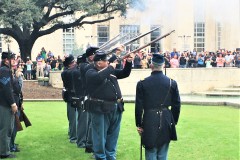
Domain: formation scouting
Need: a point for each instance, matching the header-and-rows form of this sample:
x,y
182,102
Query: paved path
x,y
186,99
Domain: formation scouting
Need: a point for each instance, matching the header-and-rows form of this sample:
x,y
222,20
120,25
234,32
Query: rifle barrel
x,y
134,39
148,44
107,43
140,36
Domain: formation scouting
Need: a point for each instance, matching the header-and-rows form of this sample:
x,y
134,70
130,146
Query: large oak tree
x,y
27,20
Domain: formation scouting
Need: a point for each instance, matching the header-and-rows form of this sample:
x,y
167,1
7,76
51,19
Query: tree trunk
x,y
26,49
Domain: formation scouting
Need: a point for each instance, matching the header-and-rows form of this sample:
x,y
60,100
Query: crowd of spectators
x,y
188,59
46,61
40,67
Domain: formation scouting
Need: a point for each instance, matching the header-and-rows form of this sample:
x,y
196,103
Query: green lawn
x,y
204,133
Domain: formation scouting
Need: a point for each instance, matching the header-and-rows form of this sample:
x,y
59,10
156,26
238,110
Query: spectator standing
x,y
60,63
174,52
144,62
44,54
200,60
50,54
213,59
229,59
237,60
174,62
220,60
182,61
53,63
208,62
137,62
39,60
47,69
29,69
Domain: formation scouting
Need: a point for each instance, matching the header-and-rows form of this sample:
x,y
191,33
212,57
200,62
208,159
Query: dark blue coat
x,y
6,90
108,77
72,82
150,94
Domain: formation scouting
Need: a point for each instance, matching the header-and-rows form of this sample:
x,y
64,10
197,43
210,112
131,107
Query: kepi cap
x,y
8,55
157,59
68,60
81,58
91,50
100,56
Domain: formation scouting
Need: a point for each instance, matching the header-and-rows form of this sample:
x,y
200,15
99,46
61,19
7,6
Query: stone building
x,y
205,25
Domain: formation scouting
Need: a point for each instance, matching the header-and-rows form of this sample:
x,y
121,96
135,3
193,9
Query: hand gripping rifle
x,y
18,123
148,44
133,39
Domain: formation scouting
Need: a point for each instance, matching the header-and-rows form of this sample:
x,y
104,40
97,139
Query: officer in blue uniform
x,y
106,105
8,107
72,83
157,109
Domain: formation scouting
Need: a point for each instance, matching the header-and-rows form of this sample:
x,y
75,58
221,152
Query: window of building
x,y
68,40
199,25
199,36
103,34
127,32
219,35
155,47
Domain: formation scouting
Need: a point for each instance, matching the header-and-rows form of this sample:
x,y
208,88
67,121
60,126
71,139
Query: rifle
x,y
108,42
148,44
133,39
18,123
114,42
24,118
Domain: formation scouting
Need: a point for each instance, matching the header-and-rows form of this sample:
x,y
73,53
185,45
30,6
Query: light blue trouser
x,y
157,153
82,125
72,119
89,142
105,131
6,128
14,134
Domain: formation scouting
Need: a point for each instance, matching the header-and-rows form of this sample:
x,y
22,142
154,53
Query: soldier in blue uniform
x,y
106,104
73,89
86,117
157,109
8,107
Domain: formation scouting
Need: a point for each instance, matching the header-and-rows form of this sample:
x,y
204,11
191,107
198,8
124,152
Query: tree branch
x,y
77,23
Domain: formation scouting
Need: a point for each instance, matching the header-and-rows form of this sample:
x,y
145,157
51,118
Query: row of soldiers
x,y
93,94
95,103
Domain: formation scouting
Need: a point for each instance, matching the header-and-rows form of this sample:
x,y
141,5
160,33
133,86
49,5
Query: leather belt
x,y
100,100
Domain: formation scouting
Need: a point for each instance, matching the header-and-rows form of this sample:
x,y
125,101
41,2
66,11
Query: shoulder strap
x,y
73,84
167,92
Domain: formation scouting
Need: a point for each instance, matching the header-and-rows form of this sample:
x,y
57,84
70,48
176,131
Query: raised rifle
x,y
133,39
112,43
148,44
108,42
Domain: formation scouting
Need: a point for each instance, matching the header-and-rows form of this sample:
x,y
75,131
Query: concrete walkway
x,y
186,99
202,100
